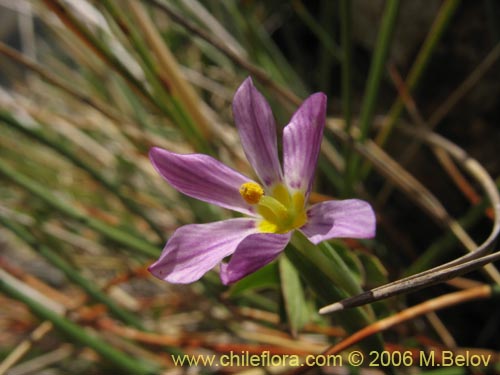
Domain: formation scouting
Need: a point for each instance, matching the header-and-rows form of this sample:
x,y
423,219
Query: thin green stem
x,y
122,361
63,85
98,47
345,27
103,52
71,273
258,73
265,51
330,278
317,29
162,90
117,235
418,68
325,60
328,262
373,82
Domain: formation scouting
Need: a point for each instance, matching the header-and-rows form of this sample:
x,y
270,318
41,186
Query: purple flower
x,y
275,207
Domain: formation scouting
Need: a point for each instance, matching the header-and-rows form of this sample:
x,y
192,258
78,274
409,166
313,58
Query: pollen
x,y
251,192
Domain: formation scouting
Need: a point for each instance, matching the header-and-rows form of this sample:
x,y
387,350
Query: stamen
x,y
251,192
278,211
280,192
281,211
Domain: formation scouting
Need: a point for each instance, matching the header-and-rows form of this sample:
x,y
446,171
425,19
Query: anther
x,y
251,192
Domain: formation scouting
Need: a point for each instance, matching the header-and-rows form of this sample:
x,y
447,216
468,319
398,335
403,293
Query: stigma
x,y
251,192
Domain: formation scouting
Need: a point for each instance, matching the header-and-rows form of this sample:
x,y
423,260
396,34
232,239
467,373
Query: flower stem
x,y
330,278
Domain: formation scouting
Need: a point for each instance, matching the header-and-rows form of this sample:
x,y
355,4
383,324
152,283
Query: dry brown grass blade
x,y
272,342
438,303
128,131
35,288
478,172
287,96
24,346
74,24
44,293
419,194
58,9
41,362
465,87
273,318
465,187
58,82
169,68
444,159
441,329
432,305
414,190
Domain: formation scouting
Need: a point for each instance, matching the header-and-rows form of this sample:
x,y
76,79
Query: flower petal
x,y
202,177
254,252
255,122
352,218
302,141
195,249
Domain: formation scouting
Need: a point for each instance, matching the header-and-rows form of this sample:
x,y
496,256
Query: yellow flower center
x,y
251,192
281,211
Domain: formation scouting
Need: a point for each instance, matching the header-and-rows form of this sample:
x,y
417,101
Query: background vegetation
x,y
87,87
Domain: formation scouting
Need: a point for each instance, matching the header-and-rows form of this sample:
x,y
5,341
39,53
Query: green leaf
x,y
350,259
293,296
328,261
330,278
266,277
327,292
375,272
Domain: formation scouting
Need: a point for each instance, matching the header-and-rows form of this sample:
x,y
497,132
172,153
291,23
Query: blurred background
x,y
87,87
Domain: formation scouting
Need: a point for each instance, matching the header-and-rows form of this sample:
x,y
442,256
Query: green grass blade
x,y
375,75
346,75
121,360
119,236
61,146
418,68
321,279
71,273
